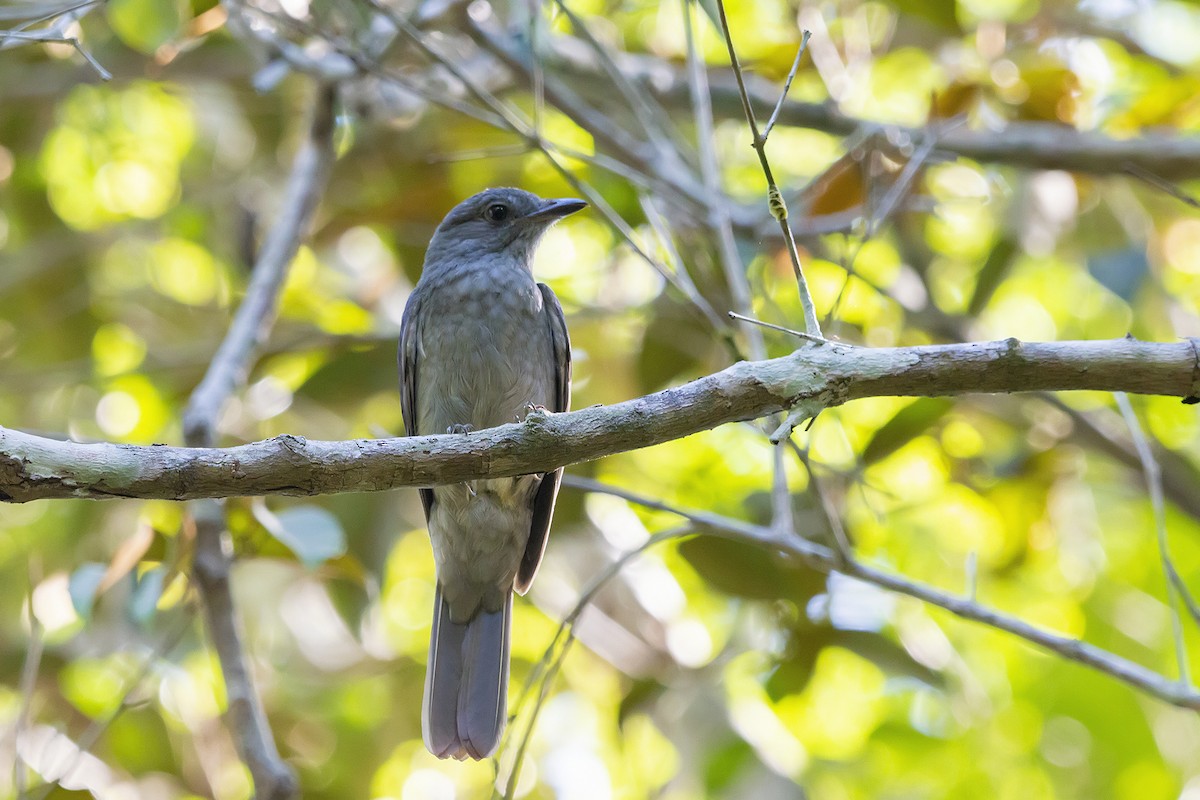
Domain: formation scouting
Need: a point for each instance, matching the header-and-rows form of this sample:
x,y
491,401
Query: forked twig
x,y
826,560
56,33
775,199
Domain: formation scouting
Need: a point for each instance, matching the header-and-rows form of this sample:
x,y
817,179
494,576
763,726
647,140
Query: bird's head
x,y
498,222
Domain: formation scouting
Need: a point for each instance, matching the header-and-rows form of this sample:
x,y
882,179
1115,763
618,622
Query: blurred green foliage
x,y
130,211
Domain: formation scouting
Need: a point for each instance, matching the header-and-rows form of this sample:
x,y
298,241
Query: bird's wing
x,y
543,499
561,341
410,348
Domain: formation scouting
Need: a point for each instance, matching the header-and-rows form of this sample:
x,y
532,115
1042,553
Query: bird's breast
x,y
485,351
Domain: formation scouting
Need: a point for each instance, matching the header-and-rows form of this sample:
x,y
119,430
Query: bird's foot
x,y
534,410
460,429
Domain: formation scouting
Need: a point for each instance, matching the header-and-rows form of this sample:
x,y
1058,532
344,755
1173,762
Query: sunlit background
x,y
130,210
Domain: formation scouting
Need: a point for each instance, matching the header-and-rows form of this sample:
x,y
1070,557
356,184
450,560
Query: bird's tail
x,y
466,682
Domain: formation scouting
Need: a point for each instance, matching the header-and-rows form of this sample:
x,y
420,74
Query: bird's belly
x,y
489,355
482,531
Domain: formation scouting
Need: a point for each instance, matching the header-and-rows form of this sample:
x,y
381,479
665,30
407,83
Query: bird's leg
x,y
463,429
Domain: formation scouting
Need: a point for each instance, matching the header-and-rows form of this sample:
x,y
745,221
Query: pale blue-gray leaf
x,y
83,585
311,532
144,602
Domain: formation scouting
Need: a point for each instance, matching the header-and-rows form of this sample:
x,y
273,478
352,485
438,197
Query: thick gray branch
x,y
812,378
213,558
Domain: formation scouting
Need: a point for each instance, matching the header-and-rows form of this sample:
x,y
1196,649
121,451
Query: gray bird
x,y
481,344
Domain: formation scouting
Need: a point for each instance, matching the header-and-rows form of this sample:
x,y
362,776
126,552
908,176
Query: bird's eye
x,y
497,212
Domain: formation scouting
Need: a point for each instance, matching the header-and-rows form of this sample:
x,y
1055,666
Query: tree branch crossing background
x,y
886,475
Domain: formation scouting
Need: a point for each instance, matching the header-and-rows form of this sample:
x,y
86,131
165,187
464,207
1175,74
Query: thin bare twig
x,y
746,531
775,199
547,668
774,327
717,202
618,223
971,571
29,674
682,279
1176,588
901,185
783,520
1029,145
655,122
49,36
521,127
501,116
1124,670
342,60
64,12
731,260
537,74
551,673
842,546
663,165
33,13
478,154
876,217
787,84
658,222
98,727
64,17
617,140
1179,476
826,560
1160,183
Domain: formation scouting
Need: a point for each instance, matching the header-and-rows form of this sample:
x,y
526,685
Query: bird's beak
x,y
552,210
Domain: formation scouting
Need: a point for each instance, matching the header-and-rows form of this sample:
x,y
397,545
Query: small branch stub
x,y
801,412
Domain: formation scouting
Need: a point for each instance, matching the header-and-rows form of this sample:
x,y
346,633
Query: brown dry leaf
x,y
841,187
956,99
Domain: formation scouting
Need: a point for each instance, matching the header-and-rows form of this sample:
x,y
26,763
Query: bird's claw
x,y
460,429
535,410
